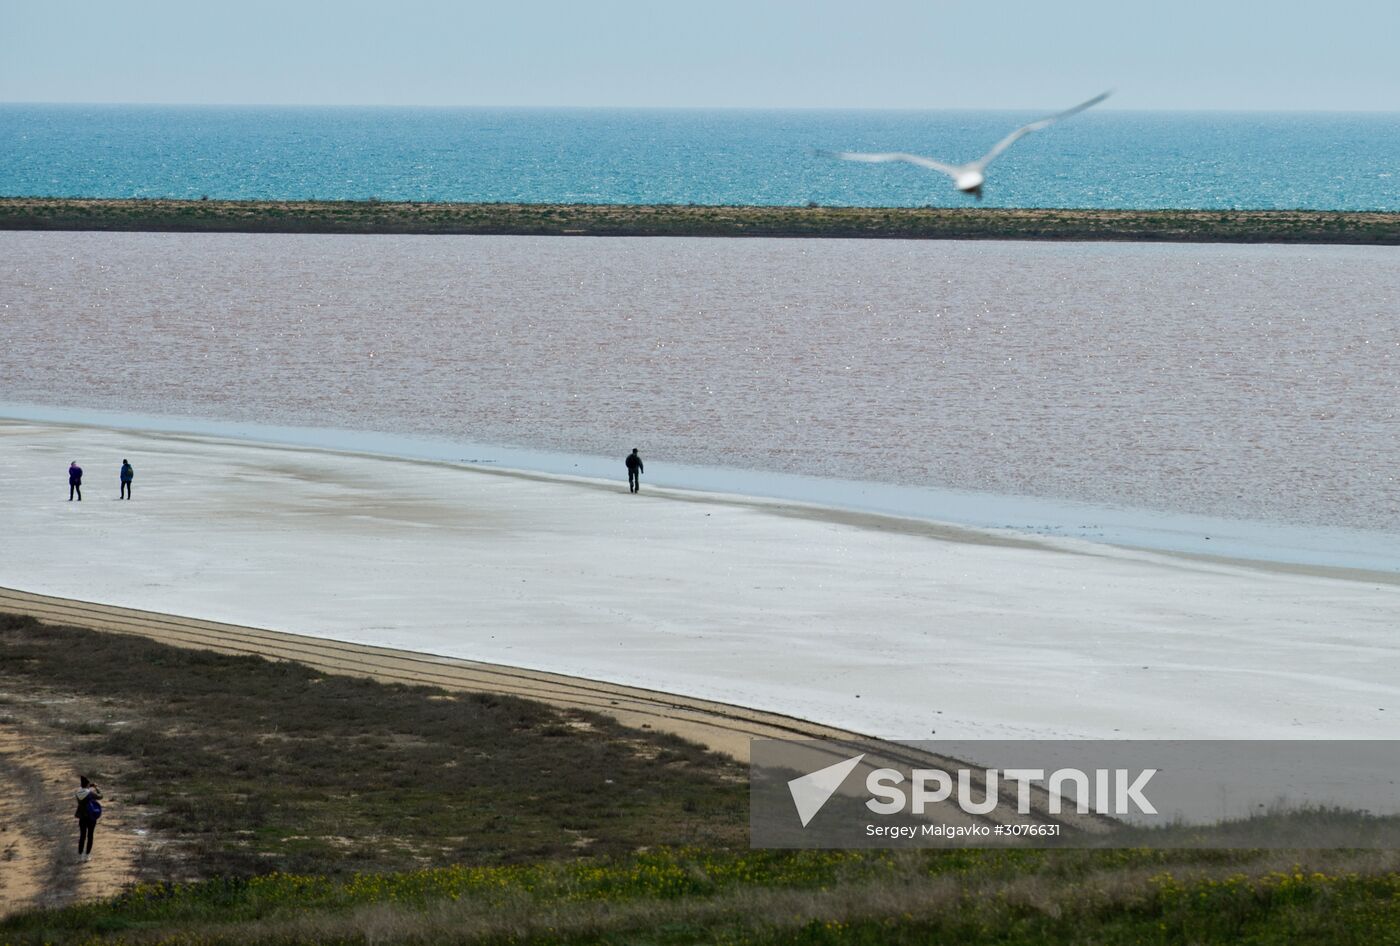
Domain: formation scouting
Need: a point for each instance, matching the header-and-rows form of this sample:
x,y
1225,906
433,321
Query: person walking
x,y
634,471
89,810
75,481
127,475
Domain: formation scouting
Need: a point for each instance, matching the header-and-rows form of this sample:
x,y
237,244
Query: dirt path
x,y
24,866
38,835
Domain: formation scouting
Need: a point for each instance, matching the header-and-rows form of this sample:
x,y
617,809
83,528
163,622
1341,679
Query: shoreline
x,y
619,220
720,727
1027,521
853,623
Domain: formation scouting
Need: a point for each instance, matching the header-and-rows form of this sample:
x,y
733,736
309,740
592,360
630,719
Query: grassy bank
x,y
215,216
688,896
249,766
290,806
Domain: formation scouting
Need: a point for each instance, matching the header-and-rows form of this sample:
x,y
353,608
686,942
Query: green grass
x,y
1288,226
764,898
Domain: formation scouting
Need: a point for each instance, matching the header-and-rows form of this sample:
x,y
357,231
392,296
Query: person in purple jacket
x,y
75,481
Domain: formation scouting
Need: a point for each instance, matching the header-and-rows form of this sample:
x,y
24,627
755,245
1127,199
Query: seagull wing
x,y
921,161
1024,130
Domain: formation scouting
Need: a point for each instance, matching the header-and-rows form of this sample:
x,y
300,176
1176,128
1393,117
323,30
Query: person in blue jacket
x,y
75,481
127,475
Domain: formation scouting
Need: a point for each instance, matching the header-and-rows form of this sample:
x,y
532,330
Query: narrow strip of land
x,y
971,223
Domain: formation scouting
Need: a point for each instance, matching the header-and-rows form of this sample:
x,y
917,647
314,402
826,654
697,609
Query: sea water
x,y
1099,159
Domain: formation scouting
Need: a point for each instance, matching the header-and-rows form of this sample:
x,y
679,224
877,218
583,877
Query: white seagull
x,y
968,177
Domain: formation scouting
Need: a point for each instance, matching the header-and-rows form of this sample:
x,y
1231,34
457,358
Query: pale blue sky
x,y
1164,54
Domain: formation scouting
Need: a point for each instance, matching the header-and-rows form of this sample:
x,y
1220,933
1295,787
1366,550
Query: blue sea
x,y
1099,159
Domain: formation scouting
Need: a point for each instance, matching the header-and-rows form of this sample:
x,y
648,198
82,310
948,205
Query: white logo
x,y
810,792
890,795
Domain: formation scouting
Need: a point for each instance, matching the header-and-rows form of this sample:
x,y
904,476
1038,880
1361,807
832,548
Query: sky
x,y
1182,54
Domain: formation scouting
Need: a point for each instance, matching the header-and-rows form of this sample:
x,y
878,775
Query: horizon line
x,y
697,108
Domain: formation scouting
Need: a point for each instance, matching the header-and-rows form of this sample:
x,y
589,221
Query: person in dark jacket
x,y
634,471
75,481
127,475
87,814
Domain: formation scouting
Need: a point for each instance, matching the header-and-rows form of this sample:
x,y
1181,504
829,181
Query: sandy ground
x,y
882,626
38,834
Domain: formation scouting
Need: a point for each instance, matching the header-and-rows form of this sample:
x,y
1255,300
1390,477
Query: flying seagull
x,y
968,177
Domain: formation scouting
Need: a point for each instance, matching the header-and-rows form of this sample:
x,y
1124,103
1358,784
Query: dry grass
x,y
252,766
